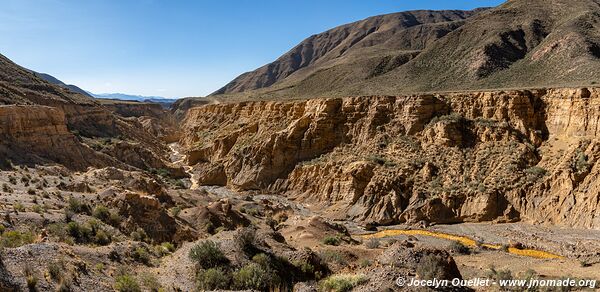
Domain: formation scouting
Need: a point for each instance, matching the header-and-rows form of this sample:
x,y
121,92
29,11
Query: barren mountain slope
x,y
519,44
389,39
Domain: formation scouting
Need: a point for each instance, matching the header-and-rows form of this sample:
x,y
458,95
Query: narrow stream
x,y
464,240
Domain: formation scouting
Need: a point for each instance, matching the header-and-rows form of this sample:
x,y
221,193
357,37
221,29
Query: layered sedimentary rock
x,y
478,156
38,133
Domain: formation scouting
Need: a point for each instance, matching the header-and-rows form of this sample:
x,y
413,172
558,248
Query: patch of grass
x,y
30,278
332,256
16,238
150,282
18,207
341,282
431,267
253,276
213,279
175,211
246,239
77,207
141,255
127,283
208,254
536,171
55,271
332,240
365,263
459,248
580,163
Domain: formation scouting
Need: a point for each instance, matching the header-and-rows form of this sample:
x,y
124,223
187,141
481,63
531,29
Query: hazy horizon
x,y
172,49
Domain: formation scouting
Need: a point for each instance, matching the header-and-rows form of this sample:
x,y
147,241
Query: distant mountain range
x,y
123,96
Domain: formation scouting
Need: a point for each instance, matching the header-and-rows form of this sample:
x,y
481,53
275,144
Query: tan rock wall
x,y
442,157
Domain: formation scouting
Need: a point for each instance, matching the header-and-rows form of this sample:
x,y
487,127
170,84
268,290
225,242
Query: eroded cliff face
x,y
40,133
36,134
503,155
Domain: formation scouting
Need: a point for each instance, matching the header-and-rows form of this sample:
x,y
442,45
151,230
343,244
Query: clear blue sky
x,y
173,48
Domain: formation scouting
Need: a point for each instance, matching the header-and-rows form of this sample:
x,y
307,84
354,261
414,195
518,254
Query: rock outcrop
x,y
455,157
39,133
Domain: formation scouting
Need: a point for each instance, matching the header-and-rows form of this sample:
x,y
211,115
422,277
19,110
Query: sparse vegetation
x,y
141,255
535,171
150,282
30,278
208,254
332,240
431,267
246,239
77,207
580,162
459,248
127,283
341,282
213,279
332,256
252,276
15,238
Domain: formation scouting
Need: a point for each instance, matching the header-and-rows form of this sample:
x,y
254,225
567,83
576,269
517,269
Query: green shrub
x,y
168,246
139,235
536,171
252,276
304,266
341,283
81,233
30,278
332,256
459,248
65,285
150,282
175,211
77,207
6,188
213,279
246,239
102,213
141,255
16,238
55,271
431,267
580,163
127,283
332,240
102,238
208,254
37,209
18,207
